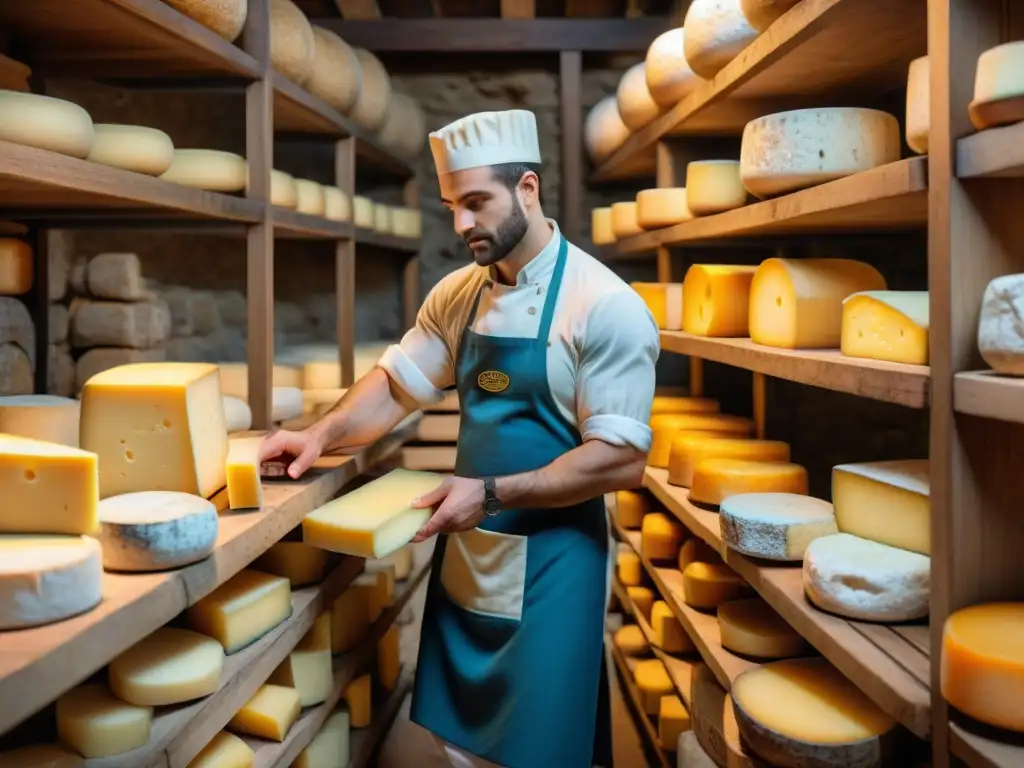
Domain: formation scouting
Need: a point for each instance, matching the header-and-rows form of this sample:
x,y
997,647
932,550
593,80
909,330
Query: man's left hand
x,y
461,501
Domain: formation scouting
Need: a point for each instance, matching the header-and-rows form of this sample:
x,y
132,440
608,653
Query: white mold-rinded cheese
x,y
285,403
371,107
761,14
601,226
918,101
669,77
209,169
865,580
998,86
336,75
663,207
715,31
225,17
156,530
802,148
169,666
292,45
636,106
44,122
337,205
775,526
282,189
603,130
624,219
714,186
41,417
309,197
132,148
1000,333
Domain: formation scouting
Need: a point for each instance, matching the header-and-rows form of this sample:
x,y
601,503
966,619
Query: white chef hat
x,y
486,138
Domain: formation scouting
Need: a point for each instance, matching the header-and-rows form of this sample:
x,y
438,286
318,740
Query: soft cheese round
x,y
237,413
132,148
603,130
636,106
337,205
662,207
714,186
624,219
43,417
918,105
669,77
209,169
362,211
1000,334
761,14
775,526
406,222
309,197
286,403
282,189
715,31
45,123
170,666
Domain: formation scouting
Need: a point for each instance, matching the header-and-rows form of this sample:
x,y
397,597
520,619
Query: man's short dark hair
x,y
509,174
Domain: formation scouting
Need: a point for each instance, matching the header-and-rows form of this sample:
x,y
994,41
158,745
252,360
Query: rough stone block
x,y
231,306
96,360
16,372
115,276
16,327
60,374
76,276
206,313
180,301
60,248
58,323
138,325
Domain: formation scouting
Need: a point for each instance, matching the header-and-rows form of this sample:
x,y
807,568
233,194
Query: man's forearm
x,y
369,410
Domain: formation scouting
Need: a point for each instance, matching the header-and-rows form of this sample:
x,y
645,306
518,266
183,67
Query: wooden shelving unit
x,y
624,665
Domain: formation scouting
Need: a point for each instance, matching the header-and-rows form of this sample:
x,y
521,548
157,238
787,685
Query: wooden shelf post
x,y
570,94
345,267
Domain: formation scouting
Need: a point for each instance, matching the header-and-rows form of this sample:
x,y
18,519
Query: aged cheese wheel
x,y
382,218
636,106
371,108
282,189
603,130
337,206
775,526
664,207
751,627
715,480
406,222
132,148
687,452
41,417
714,186
292,44
16,268
794,150
1000,334
666,427
601,226
665,302
917,105
225,17
715,31
761,14
362,211
46,123
669,77
624,219
309,197
630,640
336,75
630,508
209,169
405,127
999,86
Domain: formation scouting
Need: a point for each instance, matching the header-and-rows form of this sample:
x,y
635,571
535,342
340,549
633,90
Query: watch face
x,y
492,506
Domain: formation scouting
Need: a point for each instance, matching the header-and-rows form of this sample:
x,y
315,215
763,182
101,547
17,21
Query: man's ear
x,y
529,188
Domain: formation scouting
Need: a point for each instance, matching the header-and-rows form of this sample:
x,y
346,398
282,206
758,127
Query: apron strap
x,y
552,298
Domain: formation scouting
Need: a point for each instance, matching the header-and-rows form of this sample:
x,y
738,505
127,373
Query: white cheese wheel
x,y
337,206
603,130
209,169
46,123
1000,334
362,211
282,189
285,403
16,267
42,417
371,107
624,220
404,131
761,14
155,530
309,197
715,31
382,218
225,17
999,86
169,666
406,222
669,77
336,75
917,105
636,106
132,148
775,526
601,226
794,150
237,414
865,580
714,186
44,579
664,207
292,44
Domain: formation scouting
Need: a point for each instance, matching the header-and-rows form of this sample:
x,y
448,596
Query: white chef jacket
x,y
602,348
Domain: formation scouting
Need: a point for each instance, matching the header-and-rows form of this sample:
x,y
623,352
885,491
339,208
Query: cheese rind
x,y
715,480
690,450
715,33
50,418
243,609
33,120
669,77
673,720
630,508
716,300
1000,335
669,634
714,186
636,106
16,268
997,84
661,536
601,232
761,14
653,681
629,568
132,147
300,563
225,751
630,640
885,501
245,487
775,526
208,169
663,207
269,713
886,325
664,301
752,627
714,721
666,427
918,101
170,666
708,585
359,697
330,747
624,219
603,129
97,724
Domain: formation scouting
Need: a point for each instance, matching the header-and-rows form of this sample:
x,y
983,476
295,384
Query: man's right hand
x,y
300,448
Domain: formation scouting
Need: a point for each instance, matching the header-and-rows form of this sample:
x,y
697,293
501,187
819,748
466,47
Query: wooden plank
x,y
570,97
358,9
366,741
989,395
917,636
440,458
518,9
979,747
635,700
997,152
438,428
829,369
627,745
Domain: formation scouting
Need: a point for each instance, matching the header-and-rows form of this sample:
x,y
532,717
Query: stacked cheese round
x,y
630,640
774,525
669,77
999,86
674,404
1000,340
132,148
715,480
371,106
661,536
16,268
665,302
714,186
208,169
309,197
665,427
708,585
688,452
918,105
716,300
636,106
715,32
225,17
751,627
603,130
624,219
630,508
886,325
362,212
292,44
406,222
601,226
336,75
761,14
405,126
45,123
663,207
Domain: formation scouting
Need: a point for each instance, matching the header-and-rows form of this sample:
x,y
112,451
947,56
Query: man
x,y
553,356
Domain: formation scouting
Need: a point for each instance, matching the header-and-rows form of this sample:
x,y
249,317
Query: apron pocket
x,y
485,572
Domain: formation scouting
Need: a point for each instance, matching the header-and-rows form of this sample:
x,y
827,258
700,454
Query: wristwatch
x,y
492,504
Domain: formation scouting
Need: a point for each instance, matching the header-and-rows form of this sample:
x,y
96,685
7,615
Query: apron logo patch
x,y
493,381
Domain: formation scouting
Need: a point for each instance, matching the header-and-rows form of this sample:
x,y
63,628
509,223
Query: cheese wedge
x,y
653,682
715,480
389,662
751,627
308,669
673,719
666,426
245,488
95,722
269,713
225,751
689,451
330,748
716,300
885,501
886,325
708,585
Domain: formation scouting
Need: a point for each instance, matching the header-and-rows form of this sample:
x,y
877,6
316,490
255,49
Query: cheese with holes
x,y
47,487
665,302
630,508
794,150
308,668
798,303
309,197
689,450
1000,333
751,627
714,186
44,122
375,519
170,666
886,325
636,106
661,536
50,418
715,33
362,211
865,580
629,568
761,14
225,17
44,579
603,129
237,414
806,712
359,697
16,268
41,756
132,148
225,751
715,480
283,191
269,713
997,86
669,77
885,501
664,207
209,169
653,682
300,563
696,550
243,609
156,530
98,724
669,634
601,226
156,427
670,404
673,719
716,298
708,585
350,618
337,205
982,665
642,599
330,747
630,640
918,108
624,219
775,526
245,488
389,662
666,427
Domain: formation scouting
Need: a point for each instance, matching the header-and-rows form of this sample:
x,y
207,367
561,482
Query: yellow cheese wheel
x,y
630,640
642,599
636,106
371,107
16,267
708,585
225,17
208,169
132,148
630,508
716,31
716,300
309,197
669,77
603,130
717,479
45,123
282,189
665,302
751,627
624,220
292,45
688,452
404,131
336,75
672,404
666,425
653,682
761,14
918,101
696,550
714,186
664,207
406,222
997,86
382,218
661,536
601,226
629,568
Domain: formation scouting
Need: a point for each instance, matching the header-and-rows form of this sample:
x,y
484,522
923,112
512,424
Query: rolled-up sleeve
x,y
616,374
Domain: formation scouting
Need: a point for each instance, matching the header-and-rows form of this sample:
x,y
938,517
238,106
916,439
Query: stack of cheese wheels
x,y
715,32
630,508
362,211
624,220
794,150
775,526
706,585
1000,341
886,325
336,76
225,17
663,207
309,197
716,479
714,186
998,87
292,44
601,232
337,206
132,148
404,131
661,537
669,77
636,106
688,452
751,627
761,14
665,302
716,300
667,426
371,107
603,130
798,303
16,268
209,169
918,102
877,568
45,123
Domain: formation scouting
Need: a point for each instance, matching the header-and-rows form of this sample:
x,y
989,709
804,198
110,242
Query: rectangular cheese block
x,y
300,563
245,488
350,618
886,325
716,300
885,501
359,697
389,658
308,668
665,302
269,713
225,751
669,634
330,748
673,719
243,609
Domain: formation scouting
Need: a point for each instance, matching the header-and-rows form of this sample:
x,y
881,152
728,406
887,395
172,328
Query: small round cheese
x,y
714,186
98,724
1000,336
696,550
237,414
601,226
209,169
661,536
282,189
664,207
406,222
170,666
624,221
132,148
42,417
362,211
761,14
16,267
917,105
404,131
775,526
669,77
708,585
751,627
687,452
285,403
653,681
382,218
630,640
636,106
225,17
703,418
630,508
155,530
46,123
715,480
337,206
628,567
715,31
336,75
371,107
998,86
603,130
292,45
309,197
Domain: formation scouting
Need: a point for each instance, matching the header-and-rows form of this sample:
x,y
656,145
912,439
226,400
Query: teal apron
x,y
511,666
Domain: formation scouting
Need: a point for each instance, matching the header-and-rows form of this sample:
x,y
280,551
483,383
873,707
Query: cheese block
x,y
292,45
389,663
337,205
630,508
801,148
918,101
373,520
44,122
330,747
44,579
269,713
170,666
669,634
300,563
998,87
225,751
601,226
16,270
798,303
715,480
156,530
642,599
886,325
708,585
358,696
630,640
243,609
713,720
382,218
208,169
714,186
664,301
673,404
379,587
761,14
50,418
800,712
629,568
653,682
1000,335
245,487
47,487
225,17
237,414
336,75
865,580
716,300
41,756
603,129
751,627
666,427
156,426
350,618
691,449
308,668
624,220
362,211
775,526
283,191
132,148
401,560
664,207
885,501
661,536
673,720
715,31
371,107
696,550
309,197
669,77
982,665
93,721
636,106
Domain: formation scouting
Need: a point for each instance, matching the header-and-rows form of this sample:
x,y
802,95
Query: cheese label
x,y
493,381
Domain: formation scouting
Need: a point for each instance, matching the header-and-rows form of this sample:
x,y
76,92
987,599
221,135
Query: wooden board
x,y
985,751
991,153
438,428
436,458
647,728
627,743
990,395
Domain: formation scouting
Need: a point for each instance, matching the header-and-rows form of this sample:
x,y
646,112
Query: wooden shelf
x,y
382,240
829,369
438,428
990,395
44,662
985,751
437,458
821,51
888,197
890,663
991,153
293,225
364,742
649,730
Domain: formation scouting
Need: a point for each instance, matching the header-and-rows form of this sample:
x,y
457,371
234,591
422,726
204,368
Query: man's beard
x,y
510,232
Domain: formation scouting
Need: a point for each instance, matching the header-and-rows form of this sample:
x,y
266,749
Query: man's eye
x,y
475,205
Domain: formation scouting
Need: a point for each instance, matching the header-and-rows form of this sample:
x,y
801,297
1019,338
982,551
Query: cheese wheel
x,y
404,131
661,536
671,404
225,751
629,568
761,14
798,303
292,44
918,101
406,222
601,232
16,266
98,724
664,207
865,580
225,17
802,712
687,452
237,414
362,211
653,682
283,191
41,417
669,77
665,302
716,300
285,403
45,123
375,96
624,220
696,550
794,150
630,508
642,599
41,756
603,130
336,75
998,86
714,186
309,197
132,148
170,666
775,526
886,325
751,627
714,480
1000,336
337,206
381,218
636,106
669,634
982,665
242,609
708,585
208,169
885,501
666,426
296,561
714,721
630,640
715,31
